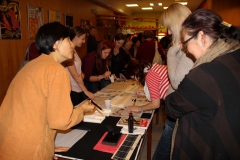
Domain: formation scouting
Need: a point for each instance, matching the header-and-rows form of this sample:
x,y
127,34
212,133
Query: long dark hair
x,y
136,68
105,44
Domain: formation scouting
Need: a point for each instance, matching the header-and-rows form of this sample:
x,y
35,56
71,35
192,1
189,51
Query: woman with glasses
x,y
178,66
207,102
78,92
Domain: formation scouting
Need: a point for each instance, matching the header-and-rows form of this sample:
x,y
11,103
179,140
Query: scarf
x,y
218,48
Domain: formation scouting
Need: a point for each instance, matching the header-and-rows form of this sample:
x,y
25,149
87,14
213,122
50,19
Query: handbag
x,y
157,57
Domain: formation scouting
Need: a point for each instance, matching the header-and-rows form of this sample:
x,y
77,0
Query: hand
x,y
135,108
90,95
87,106
107,74
140,93
60,149
122,76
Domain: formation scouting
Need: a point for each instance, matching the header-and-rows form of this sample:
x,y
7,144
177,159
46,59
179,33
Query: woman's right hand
x,y
107,74
90,95
87,106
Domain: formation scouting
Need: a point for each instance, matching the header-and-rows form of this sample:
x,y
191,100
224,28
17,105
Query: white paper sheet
x,y
69,137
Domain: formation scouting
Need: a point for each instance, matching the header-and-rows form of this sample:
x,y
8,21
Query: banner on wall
x,y
35,20
10,20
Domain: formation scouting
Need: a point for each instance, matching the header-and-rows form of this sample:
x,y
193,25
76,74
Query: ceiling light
x,y
147,8
132,5
183,3
165,7
155,4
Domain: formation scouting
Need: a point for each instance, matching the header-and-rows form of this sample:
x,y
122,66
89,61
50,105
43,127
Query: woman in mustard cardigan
x,y
38,101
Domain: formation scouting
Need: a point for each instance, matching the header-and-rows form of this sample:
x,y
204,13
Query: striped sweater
x,y
157,81
207,103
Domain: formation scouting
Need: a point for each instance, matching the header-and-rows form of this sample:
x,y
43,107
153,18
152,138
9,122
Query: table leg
x,y
149,141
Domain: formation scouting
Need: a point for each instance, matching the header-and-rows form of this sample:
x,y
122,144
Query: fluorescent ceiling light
x,y
132,5
147,8
183,3
155,4
165,7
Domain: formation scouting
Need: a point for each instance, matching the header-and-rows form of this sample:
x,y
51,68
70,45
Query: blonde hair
x,y
173,17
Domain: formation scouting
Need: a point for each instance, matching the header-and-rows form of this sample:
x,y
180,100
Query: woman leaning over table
x,y
155,80
77,36
96,66
207,100
38,101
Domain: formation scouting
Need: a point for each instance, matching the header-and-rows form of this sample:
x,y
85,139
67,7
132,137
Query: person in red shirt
x,y
146,50
155,80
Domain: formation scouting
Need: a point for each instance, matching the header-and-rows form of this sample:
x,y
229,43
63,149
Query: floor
x,y
157,130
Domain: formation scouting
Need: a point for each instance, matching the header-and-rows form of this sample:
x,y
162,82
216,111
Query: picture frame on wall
x,y
54,16
35,20
10,21
69,20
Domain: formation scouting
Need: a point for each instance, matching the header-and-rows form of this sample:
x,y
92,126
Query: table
x,y
84,147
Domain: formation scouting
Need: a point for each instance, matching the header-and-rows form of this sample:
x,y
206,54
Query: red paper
x,y
107,148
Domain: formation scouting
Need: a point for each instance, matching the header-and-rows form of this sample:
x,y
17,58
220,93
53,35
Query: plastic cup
x,y
107,103
111,78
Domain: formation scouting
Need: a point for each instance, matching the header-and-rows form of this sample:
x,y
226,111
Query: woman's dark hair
x,y
211,24
105,44
119,36
48,34
136,68
134,40
76,31
148,34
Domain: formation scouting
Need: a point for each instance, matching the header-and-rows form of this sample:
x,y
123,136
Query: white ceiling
x,y
120,5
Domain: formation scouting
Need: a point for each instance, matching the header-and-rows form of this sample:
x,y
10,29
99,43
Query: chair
x,y
31,53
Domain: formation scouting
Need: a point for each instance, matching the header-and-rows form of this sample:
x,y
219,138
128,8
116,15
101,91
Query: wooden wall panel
x,y
12,51
229,10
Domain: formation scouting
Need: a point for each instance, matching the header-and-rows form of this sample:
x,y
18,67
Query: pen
x,y
95,104
107,67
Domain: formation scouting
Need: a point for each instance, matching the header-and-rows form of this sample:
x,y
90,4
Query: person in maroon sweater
x,y
95,66
146,50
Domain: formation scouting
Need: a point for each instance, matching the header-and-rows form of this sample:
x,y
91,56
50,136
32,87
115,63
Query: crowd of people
x,y
198,78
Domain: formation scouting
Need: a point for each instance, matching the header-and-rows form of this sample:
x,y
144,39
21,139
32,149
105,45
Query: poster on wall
x,y
85,23
10,20
69,20
35,20
54,16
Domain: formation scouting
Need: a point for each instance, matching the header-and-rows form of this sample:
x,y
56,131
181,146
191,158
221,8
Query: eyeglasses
x,y
185,43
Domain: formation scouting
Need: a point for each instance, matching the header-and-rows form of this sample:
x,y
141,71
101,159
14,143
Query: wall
x,y
229,10
12,51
